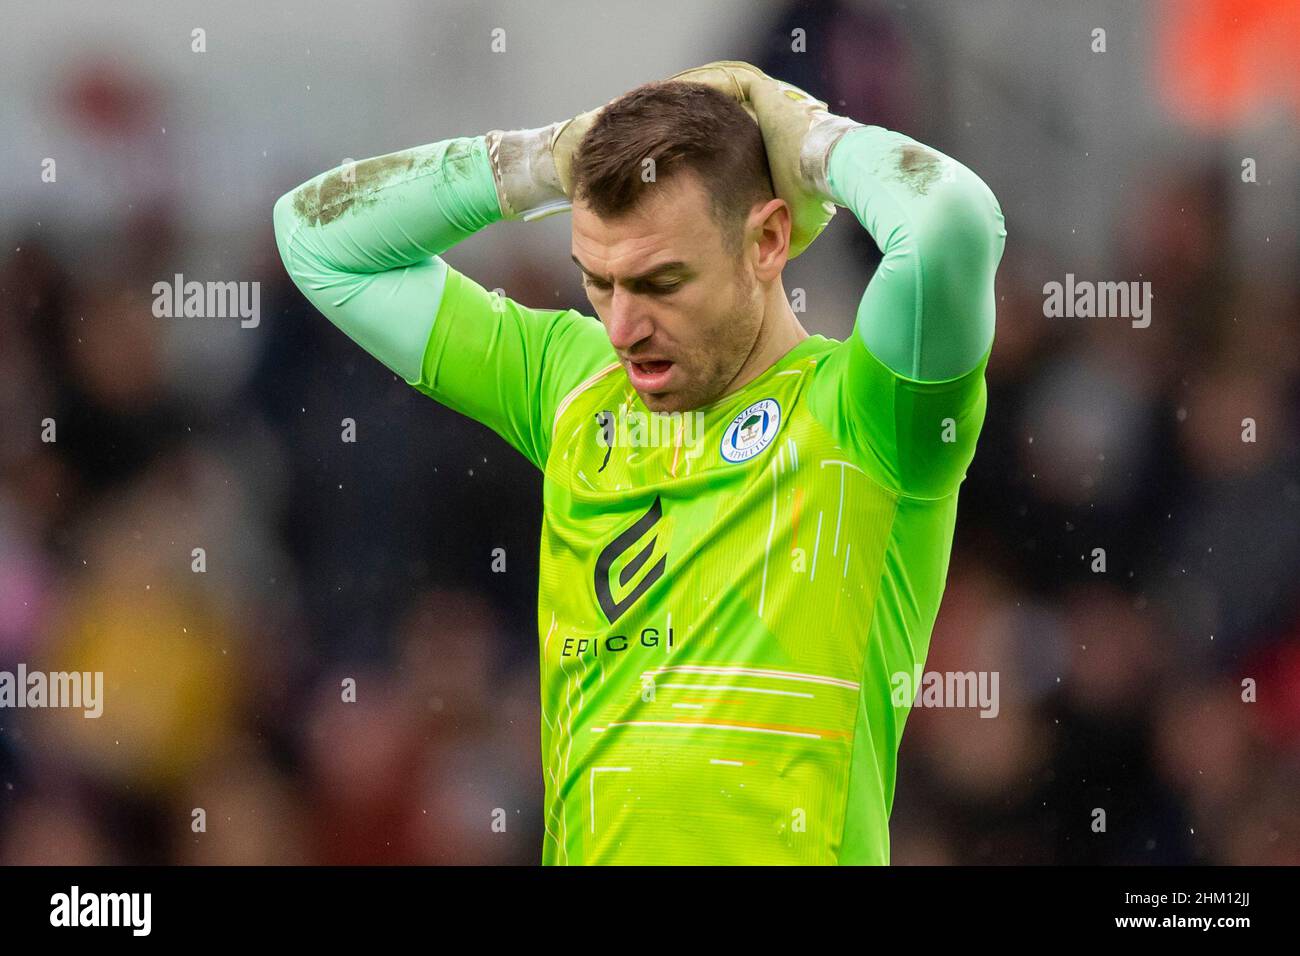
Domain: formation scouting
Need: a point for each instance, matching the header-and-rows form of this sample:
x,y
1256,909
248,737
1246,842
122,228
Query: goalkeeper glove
x,y
533,168
798,133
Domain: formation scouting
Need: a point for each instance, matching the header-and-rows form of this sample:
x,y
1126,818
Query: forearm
x,y
928,313
361,241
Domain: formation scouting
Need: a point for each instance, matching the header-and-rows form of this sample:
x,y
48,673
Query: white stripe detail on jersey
x,y
750,690
753,672
684,724
579,389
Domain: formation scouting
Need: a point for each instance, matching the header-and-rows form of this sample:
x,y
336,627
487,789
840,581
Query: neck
x,y
778,332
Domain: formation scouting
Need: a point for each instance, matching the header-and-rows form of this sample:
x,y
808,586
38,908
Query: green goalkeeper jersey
x,y
728,596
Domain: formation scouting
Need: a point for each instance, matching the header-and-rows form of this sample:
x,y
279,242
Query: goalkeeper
x,y
725,604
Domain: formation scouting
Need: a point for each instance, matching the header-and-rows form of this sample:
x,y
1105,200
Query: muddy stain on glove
x,y
918,168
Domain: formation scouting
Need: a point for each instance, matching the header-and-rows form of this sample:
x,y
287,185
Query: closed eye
x,y
652,288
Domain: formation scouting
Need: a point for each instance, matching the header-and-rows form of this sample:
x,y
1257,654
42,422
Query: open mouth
x,y
650,376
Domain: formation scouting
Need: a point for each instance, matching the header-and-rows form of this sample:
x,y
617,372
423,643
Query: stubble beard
x,y
734,344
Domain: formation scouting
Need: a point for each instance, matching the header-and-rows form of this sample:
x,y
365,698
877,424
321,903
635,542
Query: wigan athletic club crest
x,y
751,431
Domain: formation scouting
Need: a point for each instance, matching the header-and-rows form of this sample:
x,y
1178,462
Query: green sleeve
x,y
364,241
507,365
907,387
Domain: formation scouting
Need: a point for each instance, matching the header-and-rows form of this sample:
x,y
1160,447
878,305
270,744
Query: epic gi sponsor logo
x,y
594,646
605,562
751,431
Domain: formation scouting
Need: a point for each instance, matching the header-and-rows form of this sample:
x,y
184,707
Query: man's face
x,y
681,310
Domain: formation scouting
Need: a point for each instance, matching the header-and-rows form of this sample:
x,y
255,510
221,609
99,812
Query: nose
x,y
626,320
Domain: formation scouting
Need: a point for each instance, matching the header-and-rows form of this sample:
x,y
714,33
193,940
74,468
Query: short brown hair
x,y
683,127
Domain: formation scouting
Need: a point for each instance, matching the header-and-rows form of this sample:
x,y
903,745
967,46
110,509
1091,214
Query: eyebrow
x,y
676,265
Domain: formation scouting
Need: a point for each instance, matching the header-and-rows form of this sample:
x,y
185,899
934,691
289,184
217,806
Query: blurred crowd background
x,y
372,560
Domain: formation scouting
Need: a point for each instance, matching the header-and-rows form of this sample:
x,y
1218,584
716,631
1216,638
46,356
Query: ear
x,y
768,227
